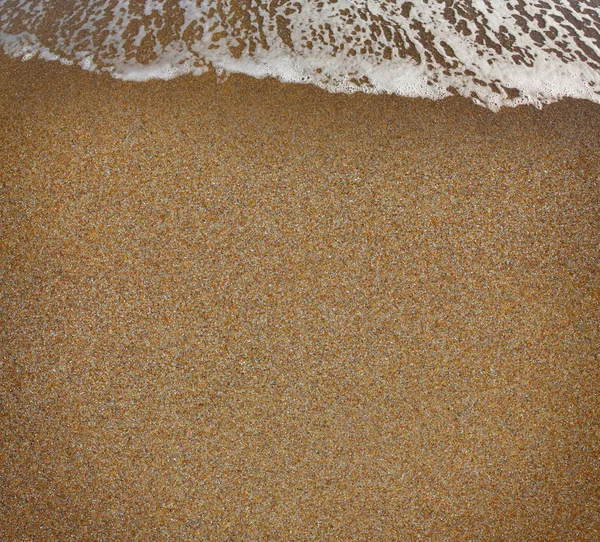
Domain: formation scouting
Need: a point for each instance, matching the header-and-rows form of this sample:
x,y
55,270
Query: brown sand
x,y
256,311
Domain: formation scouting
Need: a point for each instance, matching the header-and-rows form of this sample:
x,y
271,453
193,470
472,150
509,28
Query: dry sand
x,y
256,311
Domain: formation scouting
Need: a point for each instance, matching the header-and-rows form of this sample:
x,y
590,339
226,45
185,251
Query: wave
x,y
495,53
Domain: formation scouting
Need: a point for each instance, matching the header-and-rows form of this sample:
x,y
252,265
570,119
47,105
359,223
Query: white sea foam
x,y
496,53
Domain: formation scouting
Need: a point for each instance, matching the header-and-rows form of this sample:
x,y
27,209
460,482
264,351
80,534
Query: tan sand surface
x,y
256,311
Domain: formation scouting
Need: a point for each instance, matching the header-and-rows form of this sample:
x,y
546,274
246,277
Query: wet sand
x,y
256,311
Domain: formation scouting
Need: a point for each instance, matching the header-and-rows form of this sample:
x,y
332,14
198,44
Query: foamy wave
x,y
500,53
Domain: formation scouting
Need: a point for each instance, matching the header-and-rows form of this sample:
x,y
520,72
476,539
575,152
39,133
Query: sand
x,y
256,311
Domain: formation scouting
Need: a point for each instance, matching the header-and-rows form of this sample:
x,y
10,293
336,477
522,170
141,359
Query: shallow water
x,y
496,53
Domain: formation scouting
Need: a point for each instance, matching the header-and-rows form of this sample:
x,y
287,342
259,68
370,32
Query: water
x,y
494,52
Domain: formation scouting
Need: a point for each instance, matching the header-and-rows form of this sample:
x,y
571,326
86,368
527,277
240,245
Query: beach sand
x,y
257,311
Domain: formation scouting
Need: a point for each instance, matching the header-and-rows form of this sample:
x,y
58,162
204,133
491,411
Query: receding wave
x,y
495,53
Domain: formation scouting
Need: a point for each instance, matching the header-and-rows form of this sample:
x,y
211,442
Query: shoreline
x,y
253,310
